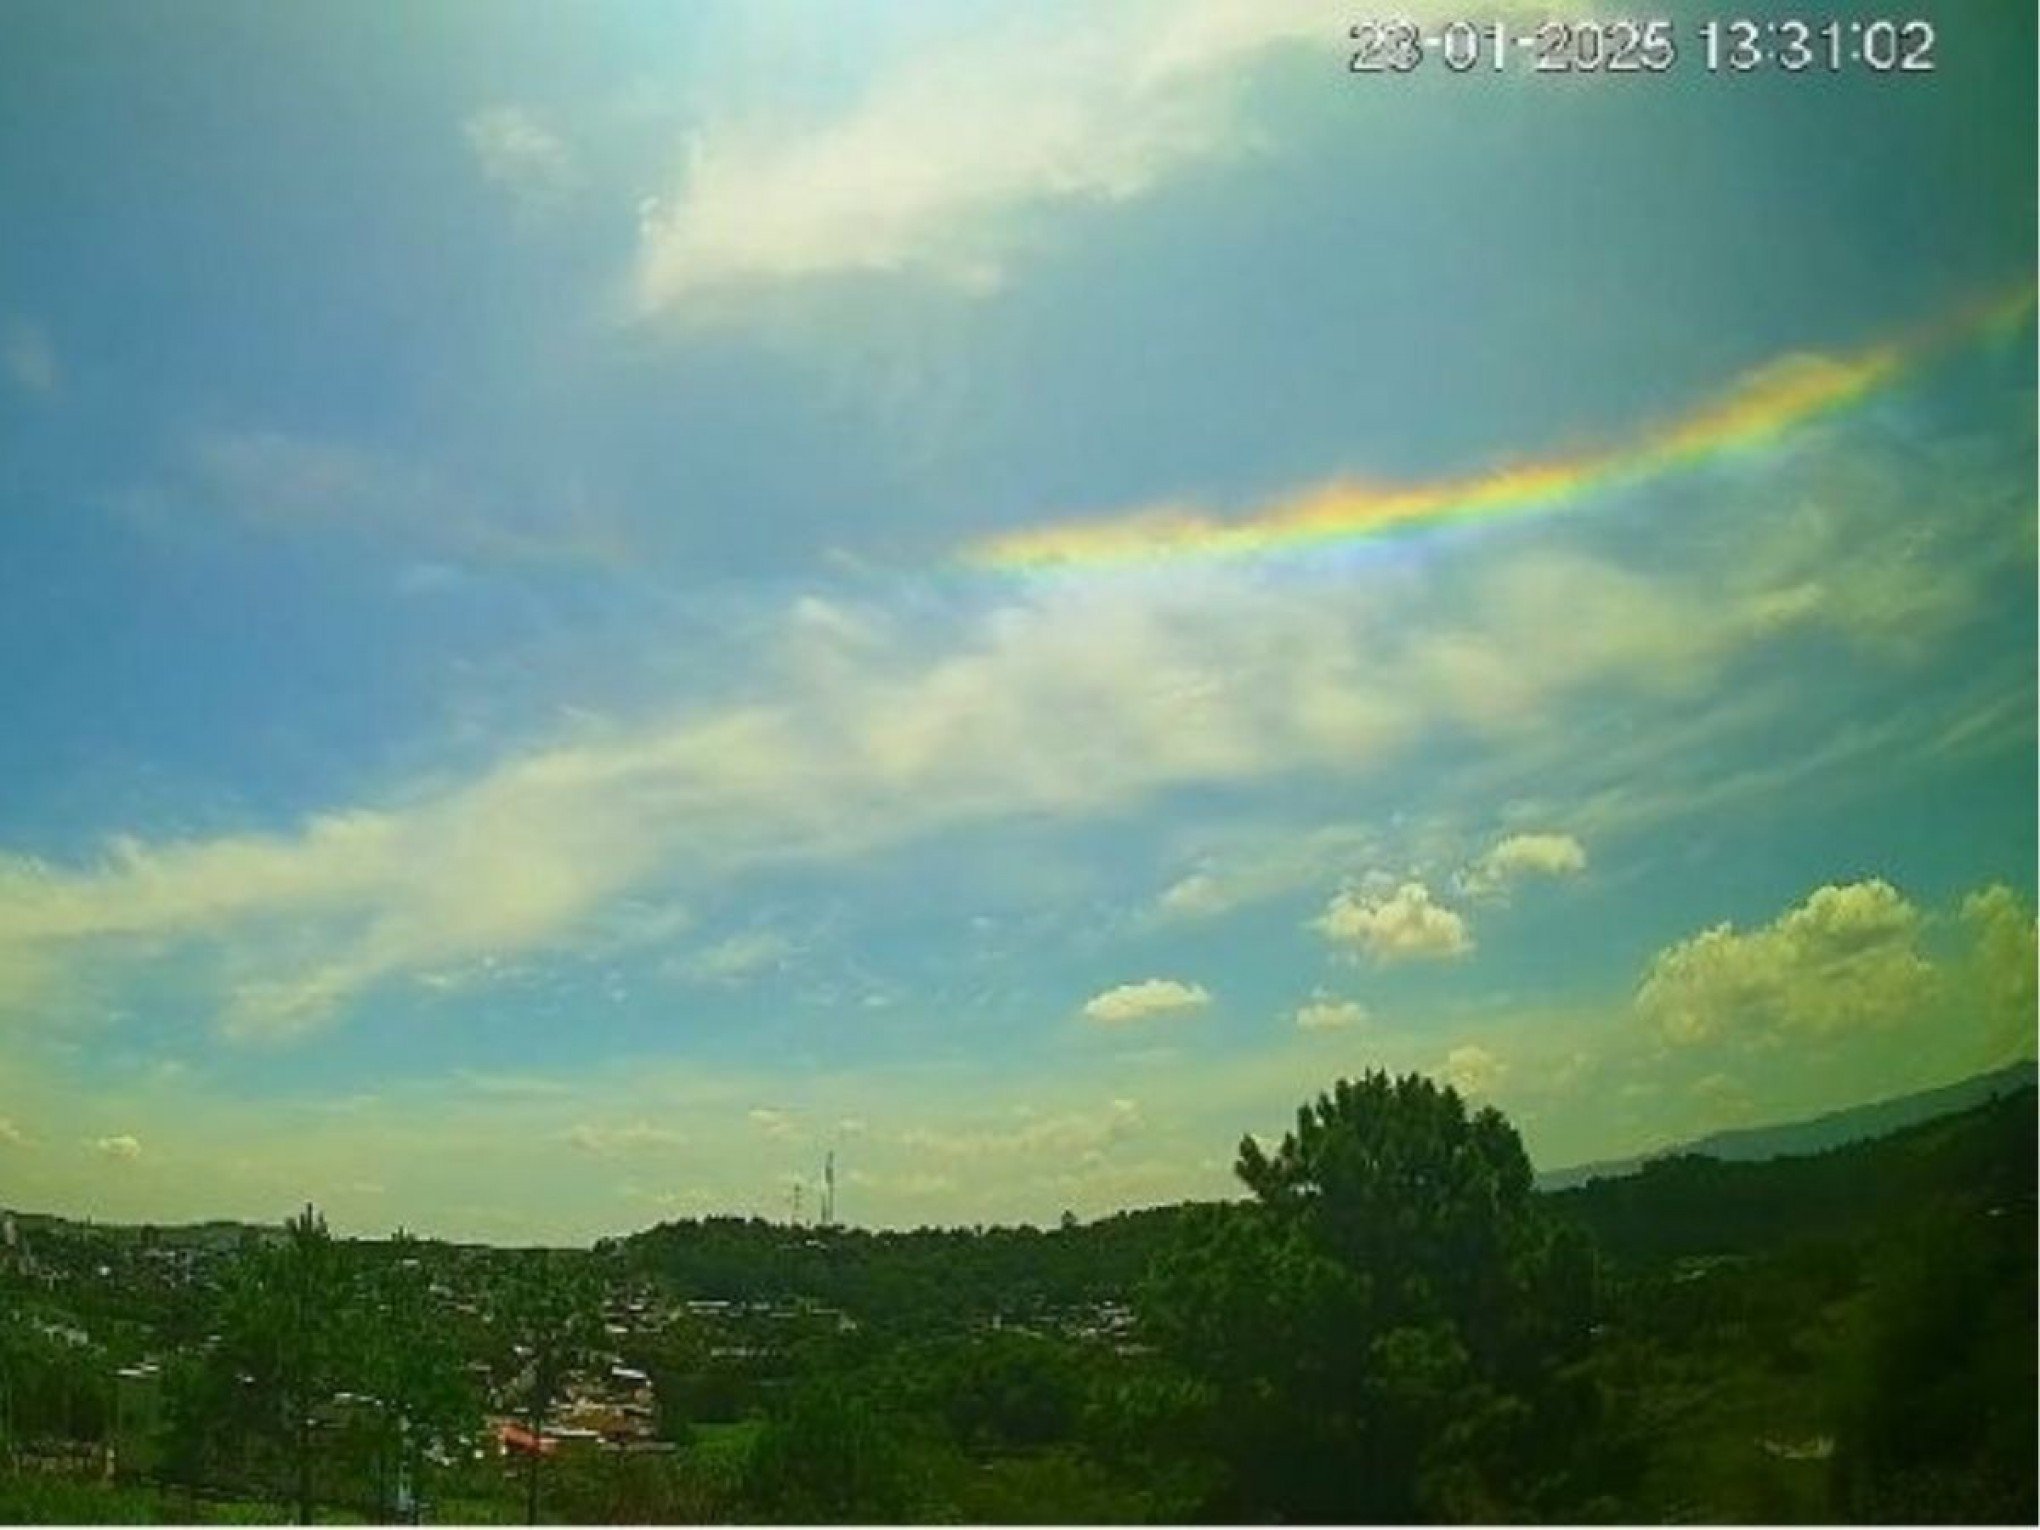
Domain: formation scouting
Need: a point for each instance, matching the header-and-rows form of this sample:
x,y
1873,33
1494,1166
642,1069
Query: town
x,y
103,1320
1639,1345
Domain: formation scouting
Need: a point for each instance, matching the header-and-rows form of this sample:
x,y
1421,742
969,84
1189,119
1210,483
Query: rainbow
x,y
1763,406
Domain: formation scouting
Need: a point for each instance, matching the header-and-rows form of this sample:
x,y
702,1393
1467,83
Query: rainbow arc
x,y
1762,407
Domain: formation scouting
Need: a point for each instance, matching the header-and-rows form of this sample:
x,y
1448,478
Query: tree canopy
x,y
1391,1298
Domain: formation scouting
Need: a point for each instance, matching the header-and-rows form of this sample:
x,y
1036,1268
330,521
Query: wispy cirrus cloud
x,y
736,958
621,1140
518,153
861,725
932,169
29,358
280,481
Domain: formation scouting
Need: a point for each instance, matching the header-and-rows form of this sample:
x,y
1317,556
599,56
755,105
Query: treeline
x,y
1391,1328
1844,1336
929,1277
1702,1340
1391,1325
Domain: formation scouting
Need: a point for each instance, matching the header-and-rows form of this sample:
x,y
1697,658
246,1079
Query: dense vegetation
x,y
1391,1325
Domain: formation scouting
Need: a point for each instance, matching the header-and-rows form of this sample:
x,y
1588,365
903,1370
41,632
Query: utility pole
x,y
829,1190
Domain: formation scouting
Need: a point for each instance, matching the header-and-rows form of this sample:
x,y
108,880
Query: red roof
x,y
516,1437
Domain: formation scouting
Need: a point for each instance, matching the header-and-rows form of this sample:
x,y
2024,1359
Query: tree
x,y
1380,1324
552,1314
828,1456
411,1367
278,1359
1938,1412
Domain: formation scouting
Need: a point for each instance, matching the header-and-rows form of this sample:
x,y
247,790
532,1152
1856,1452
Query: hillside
x,y
1837,1128
1981,1159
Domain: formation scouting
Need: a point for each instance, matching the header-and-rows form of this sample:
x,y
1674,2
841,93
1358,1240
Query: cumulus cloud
x,y
1323,1012
123,1148
519,154
1524,855
2001,968
11,1135
1474,1071
1846,959
1405,925
28,358
1146,1000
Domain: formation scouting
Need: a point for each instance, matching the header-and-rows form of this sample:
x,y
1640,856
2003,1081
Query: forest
x,y
1390,1324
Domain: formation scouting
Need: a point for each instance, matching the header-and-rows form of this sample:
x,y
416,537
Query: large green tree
x,y
1386,1327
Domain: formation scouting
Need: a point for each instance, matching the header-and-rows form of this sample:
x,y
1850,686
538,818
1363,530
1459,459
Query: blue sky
x,y
507,731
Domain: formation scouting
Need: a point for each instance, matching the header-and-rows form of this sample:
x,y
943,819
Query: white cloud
x,y
737,958
932,169
124,1148
511,1084
11,1135
1070,1134
1074,700
1323,1012
518,153
1146,1000
1524,855
1724,1095
2001,969
29,359
616,1141
1405,925
1846,959
1473,1070
1264,863
776,1124
1198,894
1068,698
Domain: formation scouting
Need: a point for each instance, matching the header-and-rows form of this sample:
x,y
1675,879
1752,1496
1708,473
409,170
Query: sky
x,y
598,604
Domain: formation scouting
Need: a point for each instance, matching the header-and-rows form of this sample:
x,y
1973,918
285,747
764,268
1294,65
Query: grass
x,y
44,1498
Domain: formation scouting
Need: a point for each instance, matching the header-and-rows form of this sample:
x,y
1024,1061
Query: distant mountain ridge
x,y
1837,1128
